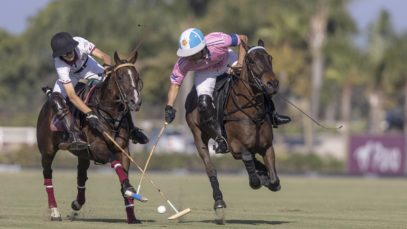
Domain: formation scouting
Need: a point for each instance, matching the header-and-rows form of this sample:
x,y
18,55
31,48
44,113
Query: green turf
x,y
303,202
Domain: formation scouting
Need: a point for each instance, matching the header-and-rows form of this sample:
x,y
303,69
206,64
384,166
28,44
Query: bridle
x,y
114,121
251,81
256,82
122,95
257,100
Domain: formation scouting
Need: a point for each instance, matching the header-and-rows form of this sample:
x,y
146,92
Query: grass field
x,y
303,202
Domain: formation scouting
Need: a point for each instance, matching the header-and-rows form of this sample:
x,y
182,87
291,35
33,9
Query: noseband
x,y
114,120
256,98
123,96
256,82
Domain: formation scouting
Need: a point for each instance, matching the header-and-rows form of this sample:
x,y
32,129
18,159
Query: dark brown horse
x,y
247,124
111,100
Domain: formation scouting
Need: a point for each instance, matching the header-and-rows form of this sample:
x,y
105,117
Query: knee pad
x,y
59,105
205,104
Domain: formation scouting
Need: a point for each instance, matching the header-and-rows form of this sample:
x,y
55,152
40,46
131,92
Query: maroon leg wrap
x,y
119,171
52,203
129,203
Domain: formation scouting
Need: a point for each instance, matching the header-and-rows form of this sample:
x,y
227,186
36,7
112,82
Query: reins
x,y
253,101
257,84
115,122
123,96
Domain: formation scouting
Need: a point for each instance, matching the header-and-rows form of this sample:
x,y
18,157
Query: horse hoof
x,y
219,204
55,215
255,183
134,221
255,186
75,205
220,216
56,218
274,187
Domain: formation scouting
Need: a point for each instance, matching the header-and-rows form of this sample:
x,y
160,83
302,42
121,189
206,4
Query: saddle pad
x,y
56,125
85,89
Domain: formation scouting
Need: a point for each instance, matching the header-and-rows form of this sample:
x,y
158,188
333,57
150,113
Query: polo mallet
x,y
177,213
151,154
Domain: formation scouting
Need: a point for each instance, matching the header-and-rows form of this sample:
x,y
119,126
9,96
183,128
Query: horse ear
x,y
260,42
133,57
244,45
116,58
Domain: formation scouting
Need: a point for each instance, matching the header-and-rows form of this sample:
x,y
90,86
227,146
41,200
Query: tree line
x,y
320,67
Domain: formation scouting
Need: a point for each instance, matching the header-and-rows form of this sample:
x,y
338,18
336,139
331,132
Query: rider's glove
x,y
93,121
169,113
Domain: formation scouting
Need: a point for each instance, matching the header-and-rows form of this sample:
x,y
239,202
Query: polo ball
x,y
161,209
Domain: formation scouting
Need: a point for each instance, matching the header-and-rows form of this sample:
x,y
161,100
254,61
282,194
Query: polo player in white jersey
x,y
73,60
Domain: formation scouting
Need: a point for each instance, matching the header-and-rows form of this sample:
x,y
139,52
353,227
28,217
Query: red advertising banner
x,y
382,155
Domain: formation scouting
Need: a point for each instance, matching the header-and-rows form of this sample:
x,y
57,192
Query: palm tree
x,y
395,76
381,36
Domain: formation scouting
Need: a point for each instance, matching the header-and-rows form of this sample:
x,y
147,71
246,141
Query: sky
x,y
14,14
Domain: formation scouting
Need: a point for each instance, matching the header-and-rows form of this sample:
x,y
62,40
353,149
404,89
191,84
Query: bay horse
x,y
247,124
111,100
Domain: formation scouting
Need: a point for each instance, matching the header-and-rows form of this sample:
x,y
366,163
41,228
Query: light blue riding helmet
x,y
191,42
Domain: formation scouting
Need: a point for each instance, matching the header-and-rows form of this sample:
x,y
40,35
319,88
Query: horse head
x,y
127,81
259,68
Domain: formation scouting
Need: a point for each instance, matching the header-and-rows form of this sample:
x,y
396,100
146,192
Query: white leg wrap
x,y
55,213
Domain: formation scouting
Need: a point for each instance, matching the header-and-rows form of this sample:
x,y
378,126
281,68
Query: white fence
x,y
17,135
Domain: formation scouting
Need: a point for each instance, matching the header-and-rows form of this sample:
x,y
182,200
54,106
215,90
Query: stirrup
x,y
78,146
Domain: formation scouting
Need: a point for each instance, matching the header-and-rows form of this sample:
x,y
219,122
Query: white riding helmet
x,y
191,42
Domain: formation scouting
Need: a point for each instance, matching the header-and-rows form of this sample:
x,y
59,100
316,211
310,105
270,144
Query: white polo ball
x,y
161,209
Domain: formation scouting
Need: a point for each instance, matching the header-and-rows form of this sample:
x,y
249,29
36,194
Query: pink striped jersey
x,y
217,58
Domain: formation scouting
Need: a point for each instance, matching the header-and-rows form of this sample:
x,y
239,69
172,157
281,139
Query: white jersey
x,y
84,66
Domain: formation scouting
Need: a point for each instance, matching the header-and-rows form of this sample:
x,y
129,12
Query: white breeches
x,y
93,70
205,81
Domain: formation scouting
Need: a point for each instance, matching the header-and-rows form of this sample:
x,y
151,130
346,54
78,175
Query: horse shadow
x,y
107,220
243,222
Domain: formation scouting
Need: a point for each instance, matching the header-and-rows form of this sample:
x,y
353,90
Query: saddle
x,y
84,89
220,95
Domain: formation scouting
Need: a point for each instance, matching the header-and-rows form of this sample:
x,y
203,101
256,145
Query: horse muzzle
x,y
134,105
272,86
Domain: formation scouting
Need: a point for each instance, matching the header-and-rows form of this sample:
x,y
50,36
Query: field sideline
x,y
303,202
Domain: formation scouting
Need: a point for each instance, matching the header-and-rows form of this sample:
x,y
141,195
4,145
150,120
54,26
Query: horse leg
x,y
254,180
201,143
269,159
128,202
82,176
262,172
46,161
